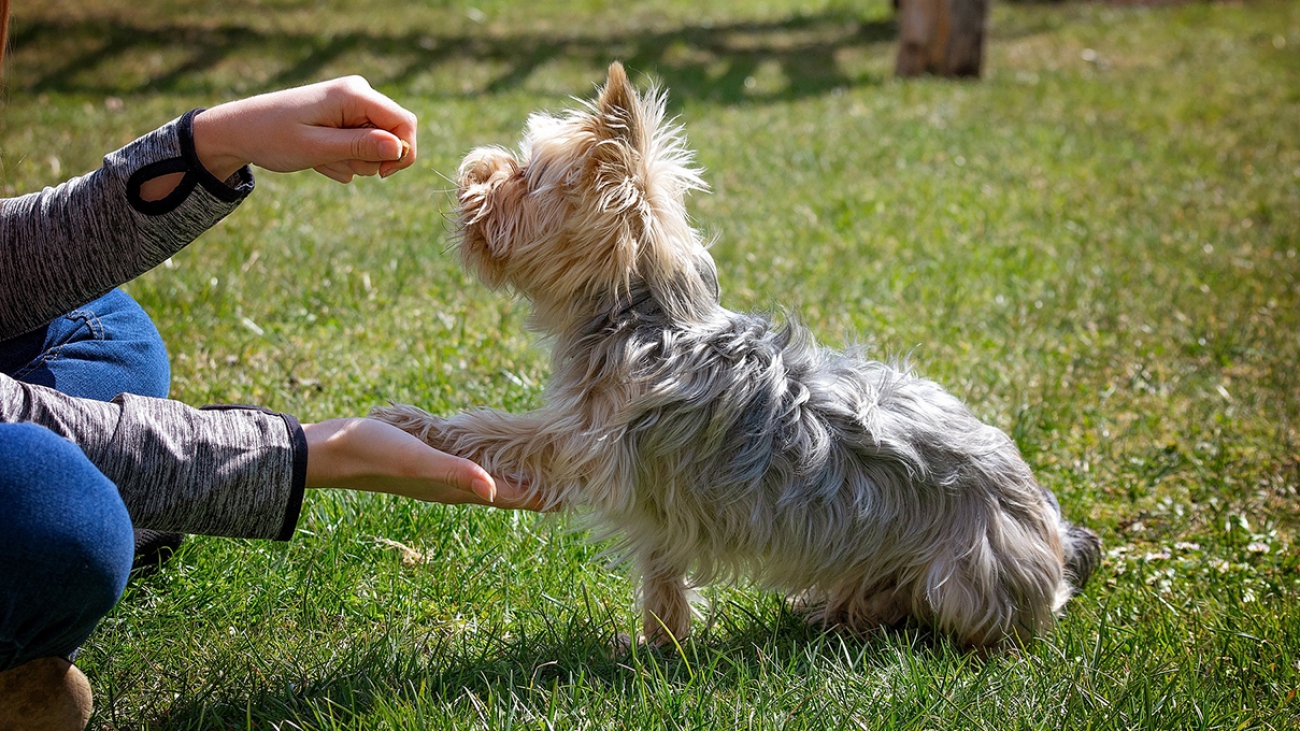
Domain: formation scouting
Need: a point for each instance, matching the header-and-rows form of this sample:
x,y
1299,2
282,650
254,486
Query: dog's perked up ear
x,y
620,110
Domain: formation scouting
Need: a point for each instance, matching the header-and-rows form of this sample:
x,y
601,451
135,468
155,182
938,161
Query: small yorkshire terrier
x,y
717,445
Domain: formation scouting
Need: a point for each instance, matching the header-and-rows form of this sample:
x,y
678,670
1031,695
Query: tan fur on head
x,y
717,445
592,200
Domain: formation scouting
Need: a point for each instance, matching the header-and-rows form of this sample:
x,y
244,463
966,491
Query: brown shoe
x,y
49,694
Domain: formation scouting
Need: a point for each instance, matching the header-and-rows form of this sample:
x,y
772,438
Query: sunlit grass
x,y
1096,246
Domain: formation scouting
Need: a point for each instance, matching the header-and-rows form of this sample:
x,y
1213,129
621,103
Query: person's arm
x,y
234,471
67,245
230,471
238,470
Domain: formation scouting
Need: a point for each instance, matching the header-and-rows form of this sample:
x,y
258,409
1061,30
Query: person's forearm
x,y
65,246
231,471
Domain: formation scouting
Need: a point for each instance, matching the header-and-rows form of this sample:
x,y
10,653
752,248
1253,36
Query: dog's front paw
x,y
667,611
426,427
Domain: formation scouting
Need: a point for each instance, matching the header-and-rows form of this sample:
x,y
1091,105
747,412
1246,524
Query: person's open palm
x,y
374,456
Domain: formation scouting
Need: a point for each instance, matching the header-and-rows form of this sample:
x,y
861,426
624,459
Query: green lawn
x,y
1095,245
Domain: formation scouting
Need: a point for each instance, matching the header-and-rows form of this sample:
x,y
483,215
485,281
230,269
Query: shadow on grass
x,y
103,56
569,660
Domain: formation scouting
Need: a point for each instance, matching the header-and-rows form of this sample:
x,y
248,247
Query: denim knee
x,y
103,348
67,548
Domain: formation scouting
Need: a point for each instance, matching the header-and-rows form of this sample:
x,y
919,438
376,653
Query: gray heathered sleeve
x,y
228,471
65,246
232,471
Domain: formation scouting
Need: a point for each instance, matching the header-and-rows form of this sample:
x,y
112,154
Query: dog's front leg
x,y
415,421
515,447
665,599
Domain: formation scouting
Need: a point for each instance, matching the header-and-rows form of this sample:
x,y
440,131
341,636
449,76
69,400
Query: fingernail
x,y
392,149
486,489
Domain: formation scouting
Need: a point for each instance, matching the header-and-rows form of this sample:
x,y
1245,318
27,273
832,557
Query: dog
x,y
714,445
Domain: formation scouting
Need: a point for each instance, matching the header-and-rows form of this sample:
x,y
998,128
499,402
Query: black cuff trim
x,y
194,175
210,183
299,484
156,170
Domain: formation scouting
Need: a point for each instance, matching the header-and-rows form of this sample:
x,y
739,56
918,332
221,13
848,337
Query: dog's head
x,y
591,208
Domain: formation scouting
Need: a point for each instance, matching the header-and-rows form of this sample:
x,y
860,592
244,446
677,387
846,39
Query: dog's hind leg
x,y
853,607
987,598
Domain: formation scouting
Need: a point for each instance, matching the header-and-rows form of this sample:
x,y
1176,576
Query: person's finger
x,y
344,170
457,473
514,498
388,168
335,171
484,486
405,160
362,167
361,106
467,474
386,114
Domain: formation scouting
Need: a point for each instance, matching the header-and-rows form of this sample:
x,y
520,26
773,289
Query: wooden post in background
x,y
941,37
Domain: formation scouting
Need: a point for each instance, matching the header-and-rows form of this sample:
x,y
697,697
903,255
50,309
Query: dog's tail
x,y
1082,549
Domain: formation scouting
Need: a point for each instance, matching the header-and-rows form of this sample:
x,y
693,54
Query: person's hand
x,y
370,455
339,128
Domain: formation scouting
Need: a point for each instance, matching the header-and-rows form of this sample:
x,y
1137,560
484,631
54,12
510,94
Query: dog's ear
x,y
639,170
617,168
620,128
620,107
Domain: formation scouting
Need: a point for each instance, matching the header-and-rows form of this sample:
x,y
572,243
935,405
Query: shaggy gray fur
x,y
717,445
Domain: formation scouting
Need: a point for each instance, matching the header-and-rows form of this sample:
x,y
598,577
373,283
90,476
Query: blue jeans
x,y
68,542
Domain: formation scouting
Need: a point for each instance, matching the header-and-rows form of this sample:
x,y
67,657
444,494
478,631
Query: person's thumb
x,y
370,145
471,474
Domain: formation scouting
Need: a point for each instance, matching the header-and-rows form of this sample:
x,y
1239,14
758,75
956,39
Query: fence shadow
x,y
711,62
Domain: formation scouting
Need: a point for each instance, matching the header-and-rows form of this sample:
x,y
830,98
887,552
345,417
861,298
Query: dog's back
x,y
875,493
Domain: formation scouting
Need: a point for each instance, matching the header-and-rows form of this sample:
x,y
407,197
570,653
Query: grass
x,y
1096,245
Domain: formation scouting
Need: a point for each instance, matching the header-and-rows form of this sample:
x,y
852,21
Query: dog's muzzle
x,y
483,165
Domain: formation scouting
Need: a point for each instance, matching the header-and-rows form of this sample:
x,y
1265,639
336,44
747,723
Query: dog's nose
x,y
480,165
